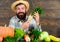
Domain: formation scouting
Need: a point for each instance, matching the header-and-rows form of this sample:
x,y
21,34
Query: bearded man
x,y
20,20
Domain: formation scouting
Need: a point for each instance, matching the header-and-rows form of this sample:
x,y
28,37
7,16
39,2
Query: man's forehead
x,y
20,4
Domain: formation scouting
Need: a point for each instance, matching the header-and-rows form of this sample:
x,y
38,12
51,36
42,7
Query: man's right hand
x,y
25,24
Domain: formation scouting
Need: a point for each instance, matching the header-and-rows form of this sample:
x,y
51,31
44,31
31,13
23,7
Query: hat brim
x,y
18,2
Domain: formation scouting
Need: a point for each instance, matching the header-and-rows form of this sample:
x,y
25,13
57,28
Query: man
x,y
21,19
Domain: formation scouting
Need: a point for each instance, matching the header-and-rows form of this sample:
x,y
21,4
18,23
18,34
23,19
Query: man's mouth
x,y
20,13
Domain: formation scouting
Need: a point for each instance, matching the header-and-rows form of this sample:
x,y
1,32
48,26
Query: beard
x,y
21,17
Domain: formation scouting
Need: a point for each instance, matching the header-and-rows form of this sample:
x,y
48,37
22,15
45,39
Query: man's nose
x,y
20,10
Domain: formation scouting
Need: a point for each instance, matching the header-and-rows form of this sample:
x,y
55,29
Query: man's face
x,y
21,11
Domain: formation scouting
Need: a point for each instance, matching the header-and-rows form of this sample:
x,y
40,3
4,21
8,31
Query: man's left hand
x,y
37,18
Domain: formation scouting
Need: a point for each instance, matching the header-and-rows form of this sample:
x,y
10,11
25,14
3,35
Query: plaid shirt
x,y
16,23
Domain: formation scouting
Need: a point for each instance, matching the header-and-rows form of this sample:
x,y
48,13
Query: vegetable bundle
x,y
36,36
18,36
37,9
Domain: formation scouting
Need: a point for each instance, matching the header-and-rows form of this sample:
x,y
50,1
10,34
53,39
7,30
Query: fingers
x,y
27,22
36,15
35,12
25,25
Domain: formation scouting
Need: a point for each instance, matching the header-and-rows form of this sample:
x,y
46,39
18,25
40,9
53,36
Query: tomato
x,y
25,36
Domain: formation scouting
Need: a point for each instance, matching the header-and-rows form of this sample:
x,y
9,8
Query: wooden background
x,y
50,21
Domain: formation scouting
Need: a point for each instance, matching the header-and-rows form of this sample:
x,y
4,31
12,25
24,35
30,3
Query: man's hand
x,y
26,24
36,16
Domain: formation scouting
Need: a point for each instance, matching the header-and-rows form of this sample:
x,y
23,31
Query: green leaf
x,y
9,39
36,33
39,9
19,32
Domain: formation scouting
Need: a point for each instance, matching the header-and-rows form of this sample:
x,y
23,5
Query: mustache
x,y
20,12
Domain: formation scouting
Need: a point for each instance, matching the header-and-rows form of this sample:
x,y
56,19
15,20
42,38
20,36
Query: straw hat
x,y
18,2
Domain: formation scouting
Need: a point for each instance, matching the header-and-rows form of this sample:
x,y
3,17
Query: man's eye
x,y
22,8
17,9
